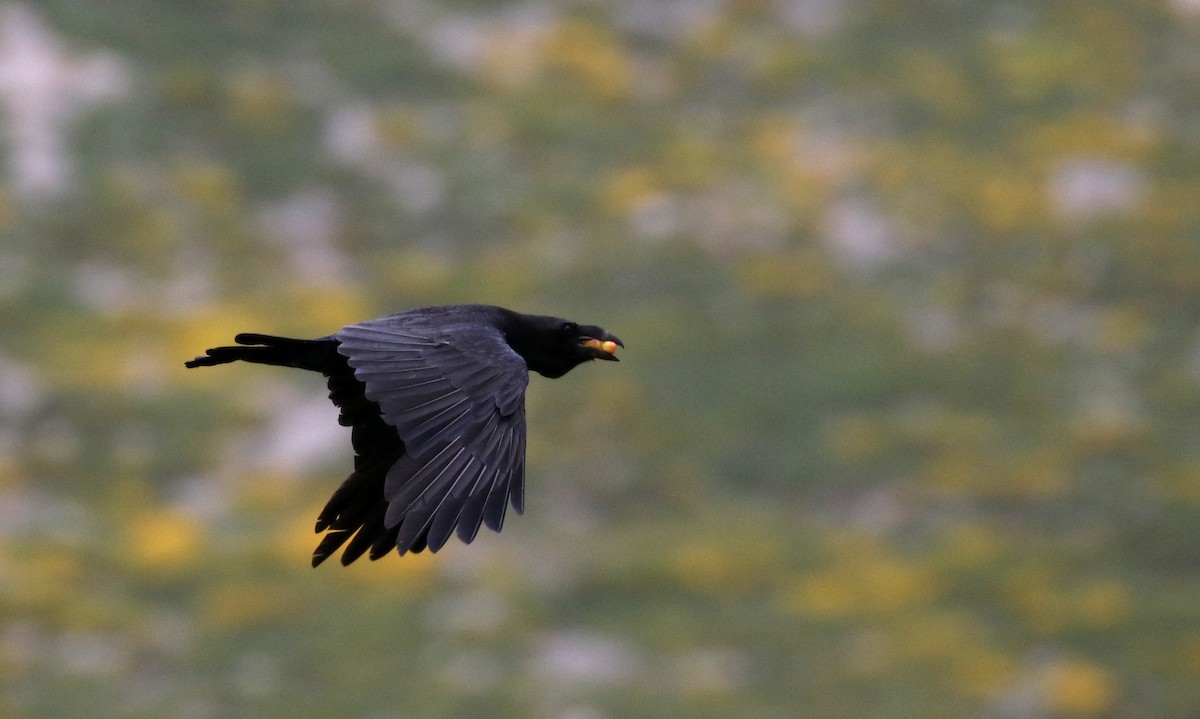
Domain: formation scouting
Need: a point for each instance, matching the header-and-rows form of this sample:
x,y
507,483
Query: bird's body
x,y
435,399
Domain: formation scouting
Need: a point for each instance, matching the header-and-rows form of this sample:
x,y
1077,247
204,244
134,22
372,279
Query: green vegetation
x,y
906,425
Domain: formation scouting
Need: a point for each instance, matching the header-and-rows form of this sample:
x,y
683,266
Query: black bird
x,y
435,398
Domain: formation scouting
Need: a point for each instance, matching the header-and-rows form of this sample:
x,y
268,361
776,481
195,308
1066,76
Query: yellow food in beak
x,y
607,346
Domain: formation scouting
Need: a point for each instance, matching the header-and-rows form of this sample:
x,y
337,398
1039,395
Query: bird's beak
x,y
603,347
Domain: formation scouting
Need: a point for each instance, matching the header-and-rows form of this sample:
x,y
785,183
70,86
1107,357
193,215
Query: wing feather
x,y
450,510
454,393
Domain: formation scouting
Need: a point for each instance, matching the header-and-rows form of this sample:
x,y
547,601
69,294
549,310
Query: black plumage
x,y
435,399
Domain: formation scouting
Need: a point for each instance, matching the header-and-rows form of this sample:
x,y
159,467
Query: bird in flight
x,y
435,399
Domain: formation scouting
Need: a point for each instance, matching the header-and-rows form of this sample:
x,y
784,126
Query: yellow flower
x,y
1104,603
889,585
1008,200
40,580
826,595
985,673
1079,687
163,540
970,545
210,186
700,566
259,98
594,55
953,472
232,606
938,635
630,188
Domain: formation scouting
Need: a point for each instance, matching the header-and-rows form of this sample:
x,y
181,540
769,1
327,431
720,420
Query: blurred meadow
x,y
908,422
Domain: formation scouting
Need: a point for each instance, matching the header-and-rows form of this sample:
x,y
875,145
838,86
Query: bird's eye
x,y
569,329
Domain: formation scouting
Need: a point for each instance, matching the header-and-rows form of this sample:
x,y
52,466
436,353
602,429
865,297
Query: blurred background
x,y
906,425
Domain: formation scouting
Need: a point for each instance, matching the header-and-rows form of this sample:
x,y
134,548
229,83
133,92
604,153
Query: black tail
x,y
356,511
317,355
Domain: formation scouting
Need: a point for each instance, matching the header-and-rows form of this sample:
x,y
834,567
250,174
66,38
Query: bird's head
x,y
552,346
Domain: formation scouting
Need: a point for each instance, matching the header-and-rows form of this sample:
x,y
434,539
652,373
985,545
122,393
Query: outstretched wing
x,y
455,394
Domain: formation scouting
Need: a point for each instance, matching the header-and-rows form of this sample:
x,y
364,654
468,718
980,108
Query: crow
x,y
435,399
